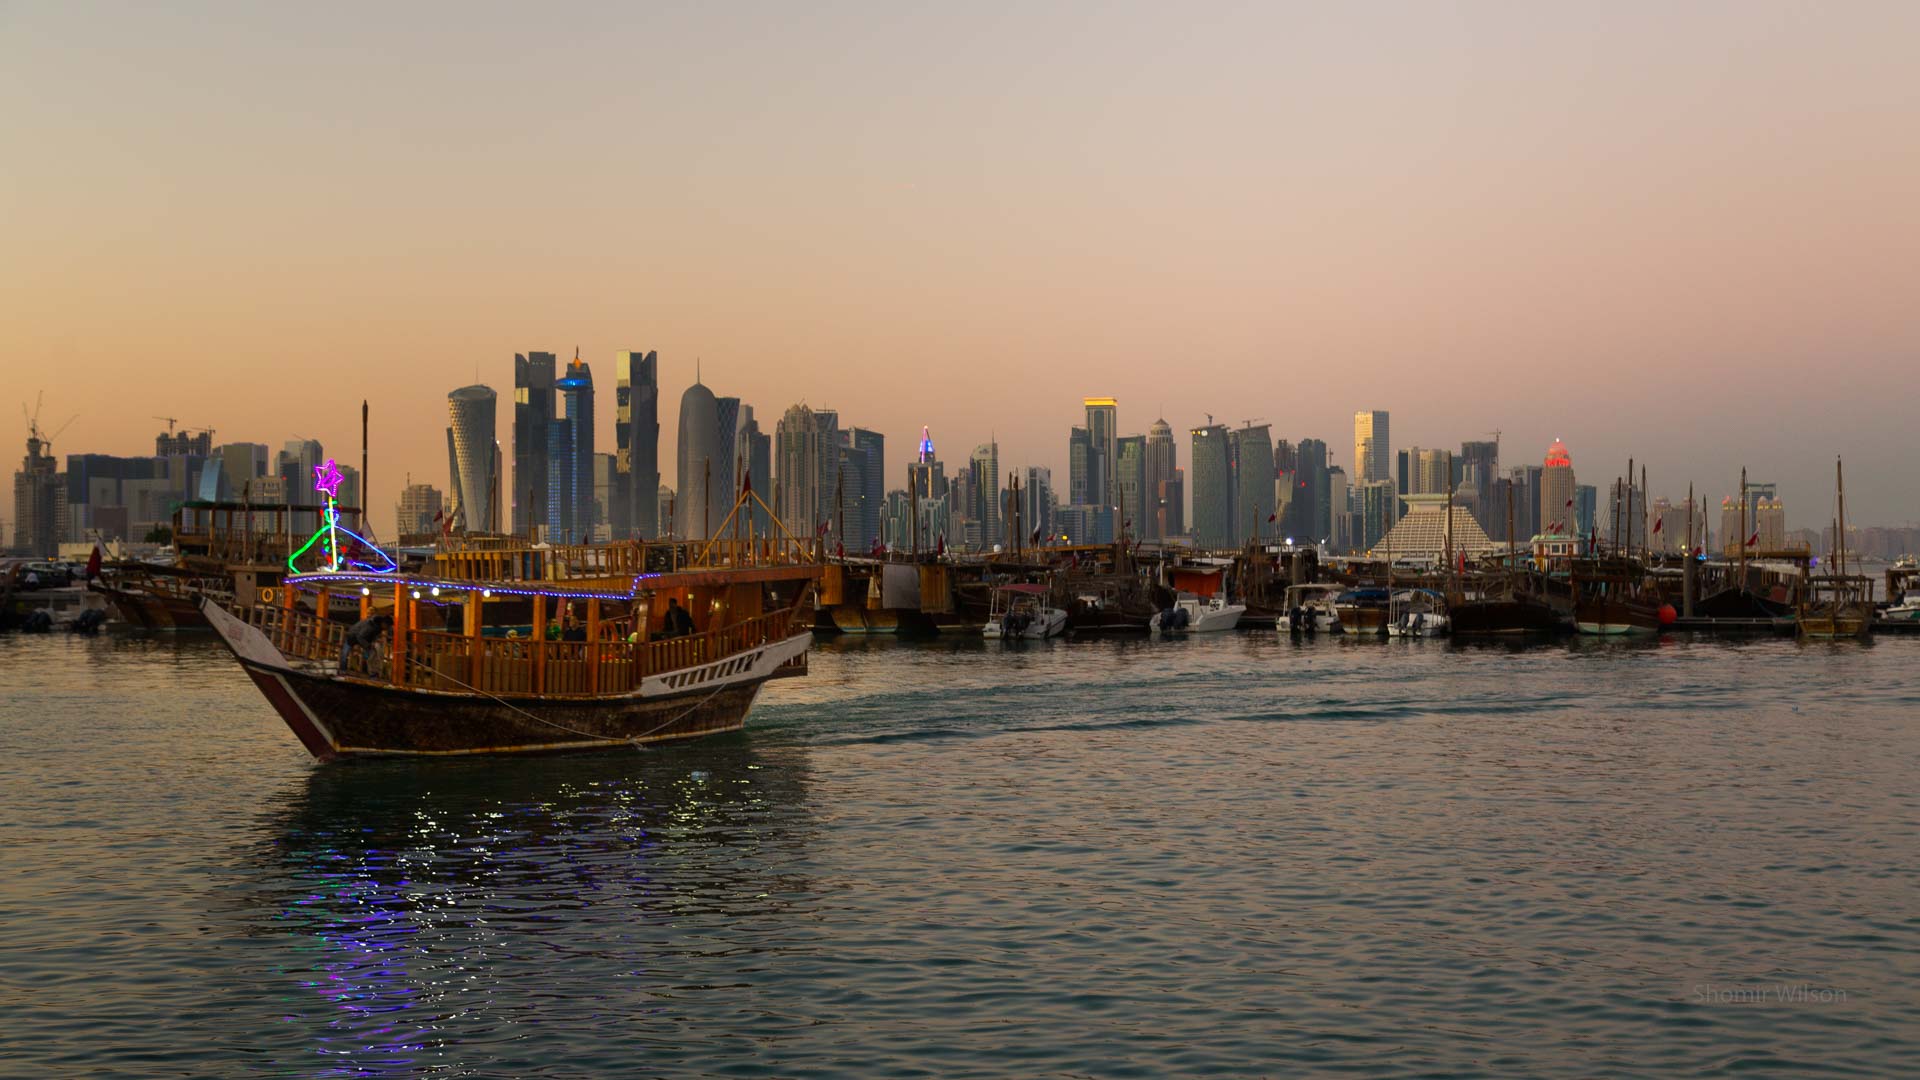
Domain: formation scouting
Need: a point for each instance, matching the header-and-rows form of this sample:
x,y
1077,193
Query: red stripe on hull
x,y
290,711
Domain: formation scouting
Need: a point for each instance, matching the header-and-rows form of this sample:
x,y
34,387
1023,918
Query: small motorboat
x,y
1418,613
1192,614
1907,610
1310,609
1021,611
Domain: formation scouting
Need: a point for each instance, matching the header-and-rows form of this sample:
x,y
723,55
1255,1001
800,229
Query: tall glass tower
x,y
532,439
572,466
636,432
473,458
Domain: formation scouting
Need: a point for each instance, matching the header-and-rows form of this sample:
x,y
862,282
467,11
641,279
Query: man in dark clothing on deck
x,y
678,622
364,635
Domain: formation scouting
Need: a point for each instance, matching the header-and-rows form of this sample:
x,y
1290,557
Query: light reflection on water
x,y
1227,856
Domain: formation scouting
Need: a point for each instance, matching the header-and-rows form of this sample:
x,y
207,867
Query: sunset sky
x,y
1689,233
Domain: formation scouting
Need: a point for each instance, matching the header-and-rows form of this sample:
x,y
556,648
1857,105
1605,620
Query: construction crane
x,y
33,421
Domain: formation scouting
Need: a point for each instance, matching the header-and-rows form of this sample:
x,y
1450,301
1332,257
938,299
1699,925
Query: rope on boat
x,y
634,739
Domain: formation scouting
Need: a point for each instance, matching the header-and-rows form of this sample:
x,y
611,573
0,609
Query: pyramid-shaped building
x,y
1422,532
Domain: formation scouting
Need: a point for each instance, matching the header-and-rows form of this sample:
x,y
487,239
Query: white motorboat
x,y
1417,613
1310,609
1192,614
1907,610
1021,611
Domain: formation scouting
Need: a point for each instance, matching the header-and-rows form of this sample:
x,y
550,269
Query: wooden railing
x,y
296,633
438,660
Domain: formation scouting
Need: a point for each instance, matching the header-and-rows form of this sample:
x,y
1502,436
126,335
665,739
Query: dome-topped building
x,y
1556,492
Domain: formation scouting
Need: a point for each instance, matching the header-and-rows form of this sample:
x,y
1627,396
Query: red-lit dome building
x,y
1556,492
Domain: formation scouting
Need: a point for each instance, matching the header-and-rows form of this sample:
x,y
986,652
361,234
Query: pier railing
x,y
439,660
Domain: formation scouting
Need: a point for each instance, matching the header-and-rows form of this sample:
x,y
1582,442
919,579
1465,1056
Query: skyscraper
x,y
753,456
1213,487
1480,466
1036,504
828,423
473,459
1253,483
926,475
983,469
726,465
637,431
532,440
1343,522
1314,520
606,481
700,485
1173,505
1079,467
1586,502
798,452
1556,491
863,465
1130,475
571,498
1103,456
420,506
1526,501
1372,446
39,498
1162,458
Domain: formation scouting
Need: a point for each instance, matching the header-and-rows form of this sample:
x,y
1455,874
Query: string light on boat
x,y
420,585
366,590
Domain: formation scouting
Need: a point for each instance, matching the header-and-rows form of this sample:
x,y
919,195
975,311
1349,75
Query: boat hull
x,y
338,719
1612,618
1497,618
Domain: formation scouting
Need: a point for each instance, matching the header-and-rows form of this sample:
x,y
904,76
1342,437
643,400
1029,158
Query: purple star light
x,y
327,478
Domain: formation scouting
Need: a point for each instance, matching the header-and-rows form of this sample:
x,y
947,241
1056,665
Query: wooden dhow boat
x,y
494,650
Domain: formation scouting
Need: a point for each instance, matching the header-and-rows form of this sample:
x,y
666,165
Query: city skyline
x,y
1682,236
1808,511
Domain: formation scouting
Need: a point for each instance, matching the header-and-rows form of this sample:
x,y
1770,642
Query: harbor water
x,y
1236,855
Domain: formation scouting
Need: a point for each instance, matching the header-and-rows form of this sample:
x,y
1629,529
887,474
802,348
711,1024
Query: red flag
x,y
1657,523
1699,549
822,531
1271,518
93,563
746,481
839,550
940,548
1754,540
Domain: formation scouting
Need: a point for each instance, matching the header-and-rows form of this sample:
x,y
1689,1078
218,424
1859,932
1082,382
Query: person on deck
x,y
679,622
364,635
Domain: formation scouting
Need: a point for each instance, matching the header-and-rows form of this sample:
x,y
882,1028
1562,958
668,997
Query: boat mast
x,y
1840,531
1448,534
1646,500
1512,565
1742,538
